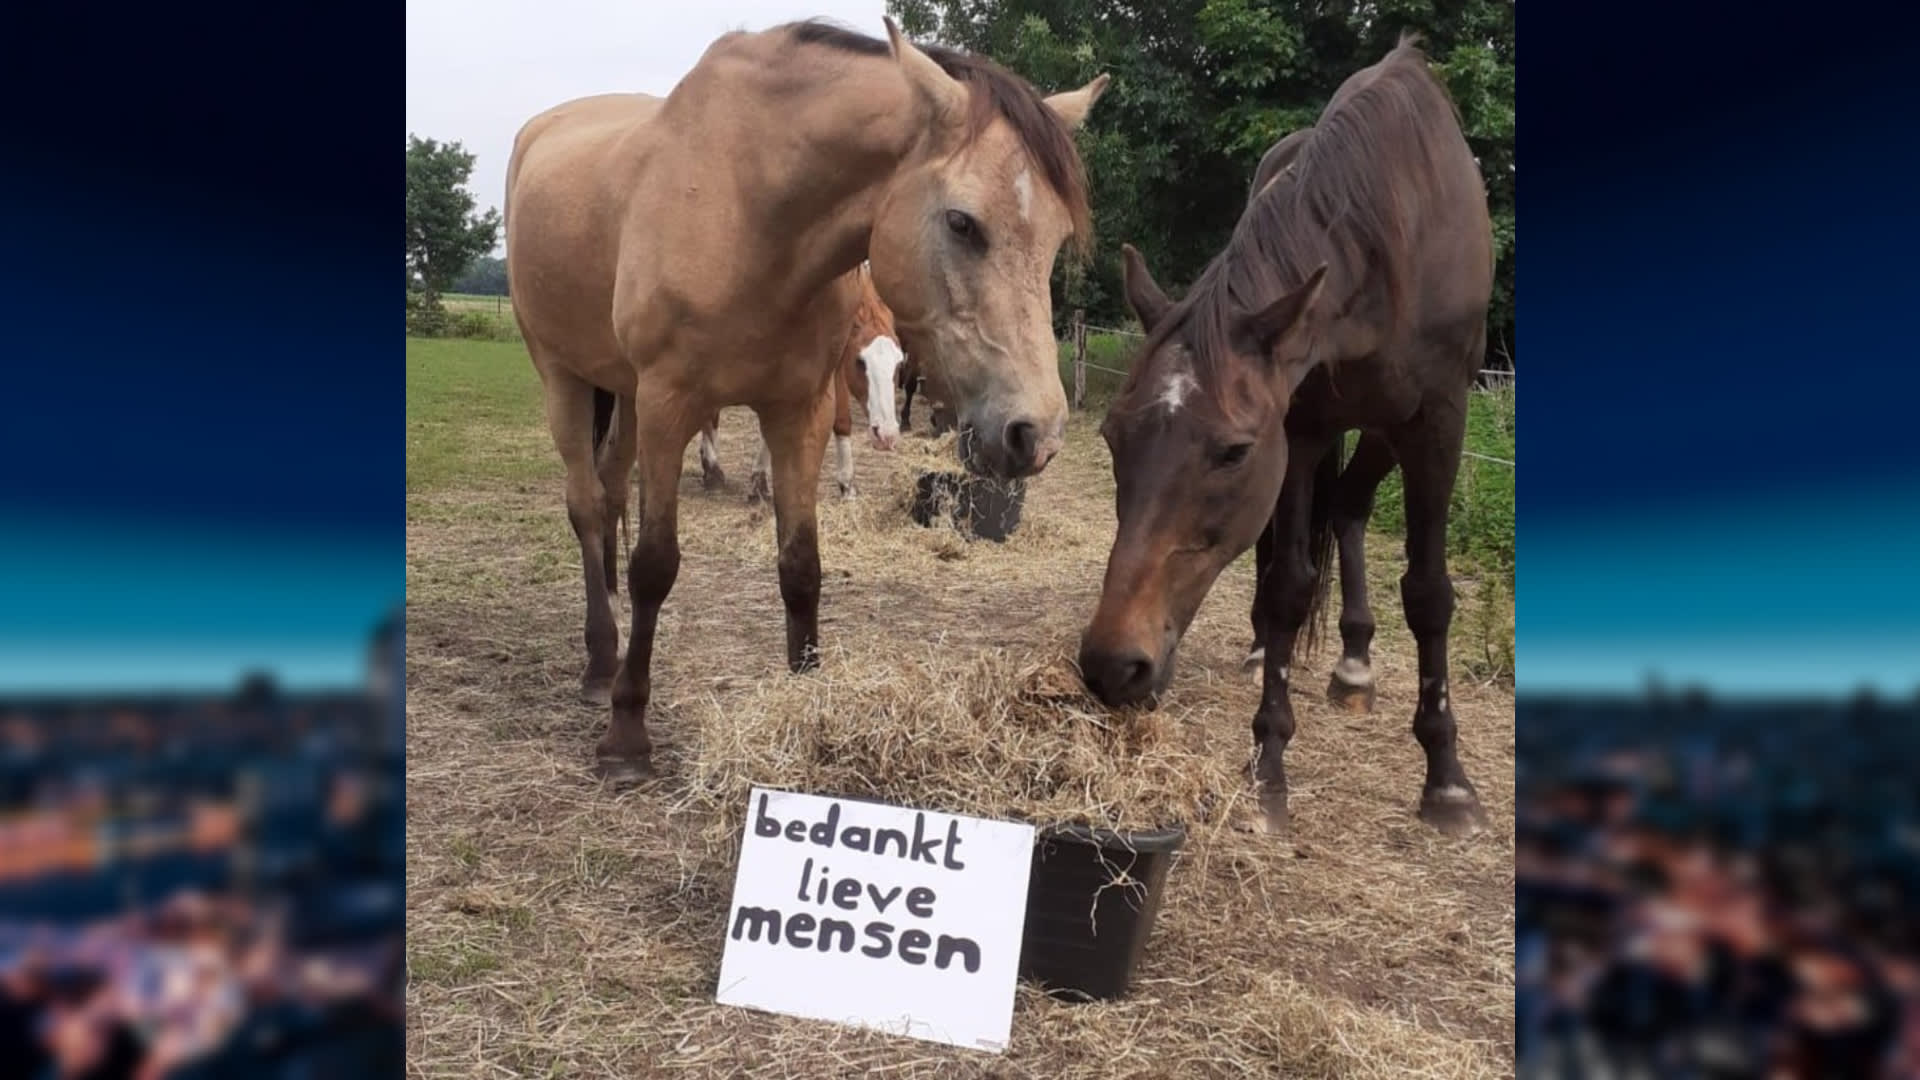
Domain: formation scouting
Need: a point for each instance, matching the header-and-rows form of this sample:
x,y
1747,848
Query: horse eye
x,y
1234,455
860,362
961,224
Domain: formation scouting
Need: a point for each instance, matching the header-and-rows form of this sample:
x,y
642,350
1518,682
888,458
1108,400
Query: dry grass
x,y
558,930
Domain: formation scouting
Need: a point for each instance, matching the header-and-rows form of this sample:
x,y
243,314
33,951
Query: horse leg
x,y
569,401
616,473
1289,600
1429,448
843,436
1262,588
1351,685
711,475
625,752
760,485
796,442
906,408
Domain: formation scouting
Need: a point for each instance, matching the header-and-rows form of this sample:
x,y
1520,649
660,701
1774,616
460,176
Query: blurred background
x,y
205,881
1714,888
1717,868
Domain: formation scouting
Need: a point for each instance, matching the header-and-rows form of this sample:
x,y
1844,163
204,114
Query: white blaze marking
x,y
1173,393
882,356
1023,191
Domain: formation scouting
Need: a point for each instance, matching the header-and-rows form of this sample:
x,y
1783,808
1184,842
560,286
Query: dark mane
x,y
994,91
1349,198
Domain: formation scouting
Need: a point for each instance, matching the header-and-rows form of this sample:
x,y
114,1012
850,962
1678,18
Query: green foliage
x,y
487,276
1201,89
461,315
474,324
444,234
425,315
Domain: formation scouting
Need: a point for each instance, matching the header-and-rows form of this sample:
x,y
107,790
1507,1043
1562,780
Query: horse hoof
x,y
1454,810
1357,700
846,492
597,691
714,478
624,772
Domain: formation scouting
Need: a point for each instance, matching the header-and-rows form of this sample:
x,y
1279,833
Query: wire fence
x,y
497,312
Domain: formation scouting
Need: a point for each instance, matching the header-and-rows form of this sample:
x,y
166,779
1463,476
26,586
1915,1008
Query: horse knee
x,y
800,567
651,568
1428,601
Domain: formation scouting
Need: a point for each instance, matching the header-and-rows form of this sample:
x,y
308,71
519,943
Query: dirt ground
x,y
557,929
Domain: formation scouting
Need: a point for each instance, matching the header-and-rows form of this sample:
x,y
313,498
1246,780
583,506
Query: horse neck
x,y
815,143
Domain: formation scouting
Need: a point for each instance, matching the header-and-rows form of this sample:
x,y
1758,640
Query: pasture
x,y
556,929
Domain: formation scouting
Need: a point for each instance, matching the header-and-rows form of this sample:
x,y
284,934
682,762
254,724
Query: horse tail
x,y
1320,543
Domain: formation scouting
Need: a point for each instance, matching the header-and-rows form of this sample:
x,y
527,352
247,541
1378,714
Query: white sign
x,y
877,916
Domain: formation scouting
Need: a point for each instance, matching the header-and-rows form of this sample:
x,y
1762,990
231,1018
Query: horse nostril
x,y
1118,679
1023,441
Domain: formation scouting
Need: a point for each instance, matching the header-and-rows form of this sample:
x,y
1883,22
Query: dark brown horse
x,y
1353,295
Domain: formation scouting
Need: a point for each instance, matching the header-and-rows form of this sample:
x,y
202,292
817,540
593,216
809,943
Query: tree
x,y
1201,88
487,276
444,234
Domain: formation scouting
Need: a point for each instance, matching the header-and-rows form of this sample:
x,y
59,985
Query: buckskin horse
x,y
672,256
1352,294
869,360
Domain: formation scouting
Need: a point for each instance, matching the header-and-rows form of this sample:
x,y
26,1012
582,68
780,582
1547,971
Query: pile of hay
x,y
960,729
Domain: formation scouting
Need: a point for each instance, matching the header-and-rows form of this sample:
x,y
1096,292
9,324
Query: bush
x,y
425,316
474,324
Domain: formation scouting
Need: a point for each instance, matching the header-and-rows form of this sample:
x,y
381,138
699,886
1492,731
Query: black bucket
x,y
1086,931
979,507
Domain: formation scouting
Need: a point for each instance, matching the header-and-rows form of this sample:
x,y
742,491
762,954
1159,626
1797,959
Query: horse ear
x,y
949,98
1269,327
1072,106
1143,295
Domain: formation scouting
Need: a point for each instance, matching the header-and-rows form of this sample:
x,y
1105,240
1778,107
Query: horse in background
x,y
669,257
914,380
870,359
1353,294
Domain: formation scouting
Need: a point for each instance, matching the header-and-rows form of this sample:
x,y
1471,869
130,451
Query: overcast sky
x,y
478,69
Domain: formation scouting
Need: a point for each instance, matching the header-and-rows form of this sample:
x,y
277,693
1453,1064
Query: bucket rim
x,y
1144,841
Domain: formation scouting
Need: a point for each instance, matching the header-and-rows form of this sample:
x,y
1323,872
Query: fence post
x,y
1079,358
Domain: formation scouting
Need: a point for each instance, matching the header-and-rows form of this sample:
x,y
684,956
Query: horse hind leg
x,y
712,476
843,437
570,416
760,484
1351,685
615,467
1429,448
